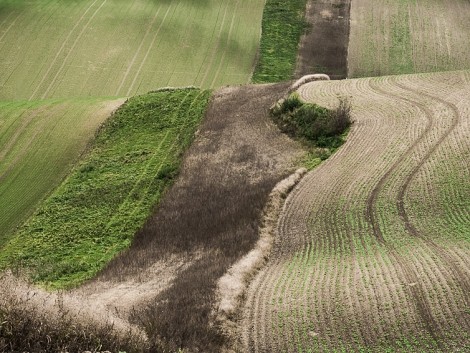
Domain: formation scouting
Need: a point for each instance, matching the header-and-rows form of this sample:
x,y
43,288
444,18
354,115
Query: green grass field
x,y
122,48
39,142
96,211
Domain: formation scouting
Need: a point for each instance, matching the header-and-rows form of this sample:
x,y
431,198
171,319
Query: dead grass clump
x,y
231,287
306,79
35,321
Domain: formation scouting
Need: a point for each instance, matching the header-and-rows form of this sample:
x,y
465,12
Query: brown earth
x,y
358,263
324,48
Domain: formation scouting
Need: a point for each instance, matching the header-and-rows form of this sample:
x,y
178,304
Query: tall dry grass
x,y
32,320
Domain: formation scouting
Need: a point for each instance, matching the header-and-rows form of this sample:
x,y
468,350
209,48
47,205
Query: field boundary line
x,y
232,286
72,49
11,142
125,202
139,202
172,145
60,50
129,67
148,51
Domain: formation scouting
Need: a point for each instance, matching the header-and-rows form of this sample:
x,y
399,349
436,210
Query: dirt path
x,y
354,266
324,48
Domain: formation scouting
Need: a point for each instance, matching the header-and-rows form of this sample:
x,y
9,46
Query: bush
x,y
322,130
311,122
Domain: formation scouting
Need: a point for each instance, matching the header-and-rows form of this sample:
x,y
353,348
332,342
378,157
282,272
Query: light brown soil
x,y
353,266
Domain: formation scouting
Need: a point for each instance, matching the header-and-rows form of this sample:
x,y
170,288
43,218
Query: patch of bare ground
x,y
324,47
353,267
166,282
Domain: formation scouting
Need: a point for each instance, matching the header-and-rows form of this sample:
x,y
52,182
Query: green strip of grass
x,y
96,211
283,24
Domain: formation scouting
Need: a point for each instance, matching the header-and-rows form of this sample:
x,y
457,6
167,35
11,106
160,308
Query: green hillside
x,y
122,48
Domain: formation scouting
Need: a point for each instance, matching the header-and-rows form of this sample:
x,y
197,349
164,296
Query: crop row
x,y
351,270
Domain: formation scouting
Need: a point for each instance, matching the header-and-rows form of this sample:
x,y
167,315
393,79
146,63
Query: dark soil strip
x,y
324,48
211,214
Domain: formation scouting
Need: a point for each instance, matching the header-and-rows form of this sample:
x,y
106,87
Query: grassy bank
x,y
96,211
283,24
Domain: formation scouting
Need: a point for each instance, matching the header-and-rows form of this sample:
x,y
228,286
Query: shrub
x,y
321,129
311,122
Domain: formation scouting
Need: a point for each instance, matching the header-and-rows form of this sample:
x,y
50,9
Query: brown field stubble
x,y
354,266
209,218
324,46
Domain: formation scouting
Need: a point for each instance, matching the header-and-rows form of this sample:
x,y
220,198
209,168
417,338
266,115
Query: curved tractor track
x,y
372,250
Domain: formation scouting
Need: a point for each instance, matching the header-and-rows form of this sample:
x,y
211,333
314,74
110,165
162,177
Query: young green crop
x,y
39,143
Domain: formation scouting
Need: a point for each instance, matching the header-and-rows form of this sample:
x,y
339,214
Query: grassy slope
x,y
39,142
121,48
96,211
283,23
406,36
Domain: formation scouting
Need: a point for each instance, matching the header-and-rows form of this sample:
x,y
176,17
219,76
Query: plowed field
x,y
407,36
373,246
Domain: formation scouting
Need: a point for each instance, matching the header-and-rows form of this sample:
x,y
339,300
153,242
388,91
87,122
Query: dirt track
x,y
372,250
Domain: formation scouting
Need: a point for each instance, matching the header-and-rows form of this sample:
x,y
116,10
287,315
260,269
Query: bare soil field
x,y
372,250
324,47
399,37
